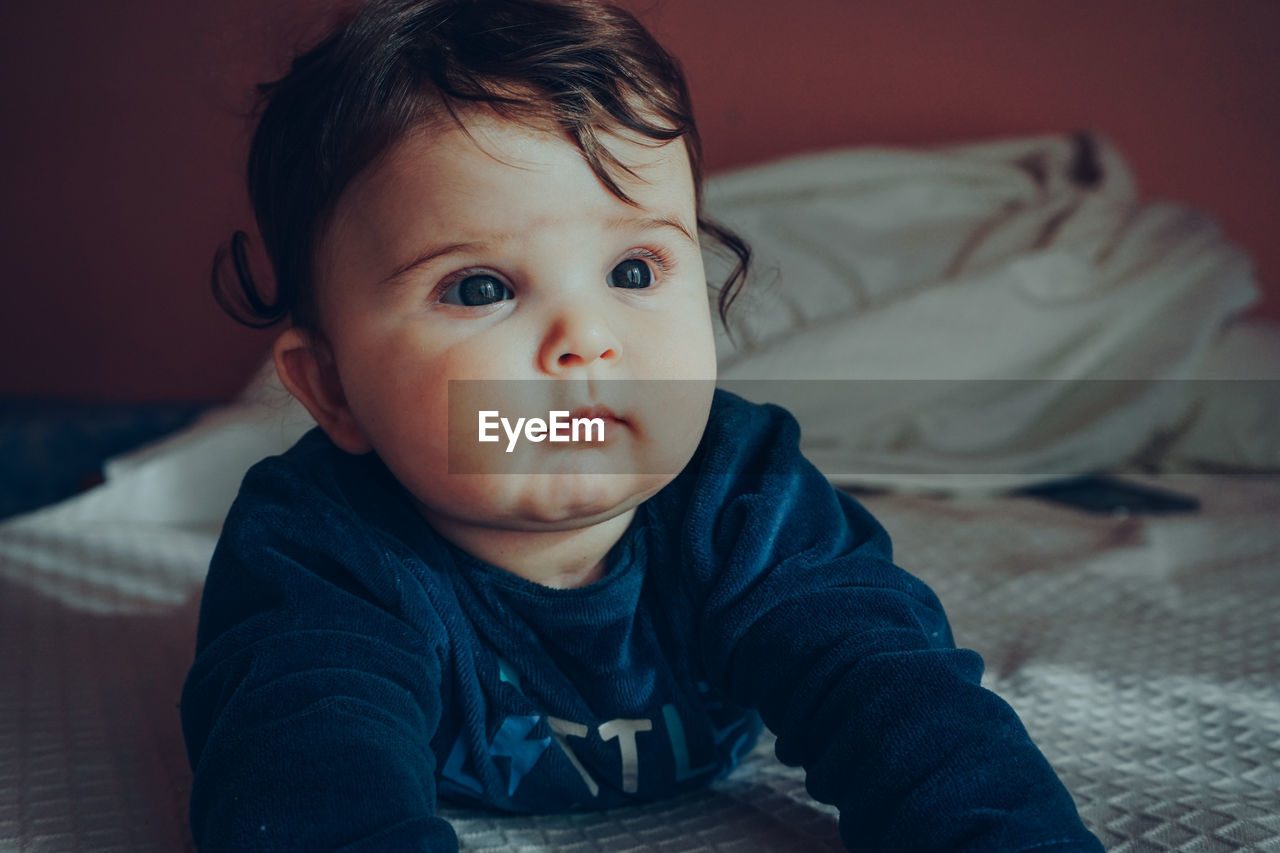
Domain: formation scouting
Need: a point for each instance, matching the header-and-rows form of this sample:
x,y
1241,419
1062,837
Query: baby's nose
x,y
570,358
578,338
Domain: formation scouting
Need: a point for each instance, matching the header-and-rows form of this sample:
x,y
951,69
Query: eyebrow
x,y
427,257
616,224
651,222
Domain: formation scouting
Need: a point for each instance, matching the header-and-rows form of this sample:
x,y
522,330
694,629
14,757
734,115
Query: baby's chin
x,y
569,501
548,502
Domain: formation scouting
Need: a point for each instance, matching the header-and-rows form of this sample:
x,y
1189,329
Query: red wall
x,y
122,150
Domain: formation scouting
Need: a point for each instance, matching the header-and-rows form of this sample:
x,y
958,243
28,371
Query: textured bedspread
x,y
1143,653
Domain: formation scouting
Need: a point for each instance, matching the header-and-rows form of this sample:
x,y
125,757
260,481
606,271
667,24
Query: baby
x,y
484,220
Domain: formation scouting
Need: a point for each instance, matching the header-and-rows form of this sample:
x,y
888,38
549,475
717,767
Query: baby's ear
x,y
305,364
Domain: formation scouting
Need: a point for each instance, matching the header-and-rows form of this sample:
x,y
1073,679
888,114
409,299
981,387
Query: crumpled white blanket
x,y
977,317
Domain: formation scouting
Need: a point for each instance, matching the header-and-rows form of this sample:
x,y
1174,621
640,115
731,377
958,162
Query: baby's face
x,y
500,256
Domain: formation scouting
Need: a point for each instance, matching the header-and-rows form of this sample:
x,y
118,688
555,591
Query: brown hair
x,y
585,66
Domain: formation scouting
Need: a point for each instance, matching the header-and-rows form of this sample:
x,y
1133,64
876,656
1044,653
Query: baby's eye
x,y
632,273
476,290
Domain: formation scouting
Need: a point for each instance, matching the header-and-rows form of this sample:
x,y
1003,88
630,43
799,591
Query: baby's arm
x,y
851,662
310,706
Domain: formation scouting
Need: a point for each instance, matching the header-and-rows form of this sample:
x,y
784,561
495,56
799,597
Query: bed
x,y
1141,649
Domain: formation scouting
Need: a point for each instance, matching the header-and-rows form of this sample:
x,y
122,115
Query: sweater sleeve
x,y
851,662
310,705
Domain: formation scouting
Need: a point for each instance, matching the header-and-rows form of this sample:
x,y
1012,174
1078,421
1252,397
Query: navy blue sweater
x,y
352,666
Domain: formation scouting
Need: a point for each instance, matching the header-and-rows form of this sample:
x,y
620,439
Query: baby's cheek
x,y
669,343
692,357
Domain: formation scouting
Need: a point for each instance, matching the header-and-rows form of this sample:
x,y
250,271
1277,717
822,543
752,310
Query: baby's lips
x,y
613,422
597,411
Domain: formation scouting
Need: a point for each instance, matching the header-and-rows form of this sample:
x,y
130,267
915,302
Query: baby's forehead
x,y
491,181
482,155
521,141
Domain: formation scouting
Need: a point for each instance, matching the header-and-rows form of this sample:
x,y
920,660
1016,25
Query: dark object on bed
x,y
51,449
1109,495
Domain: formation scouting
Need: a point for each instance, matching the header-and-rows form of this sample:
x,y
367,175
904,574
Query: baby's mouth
x,y
603,412
614,425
